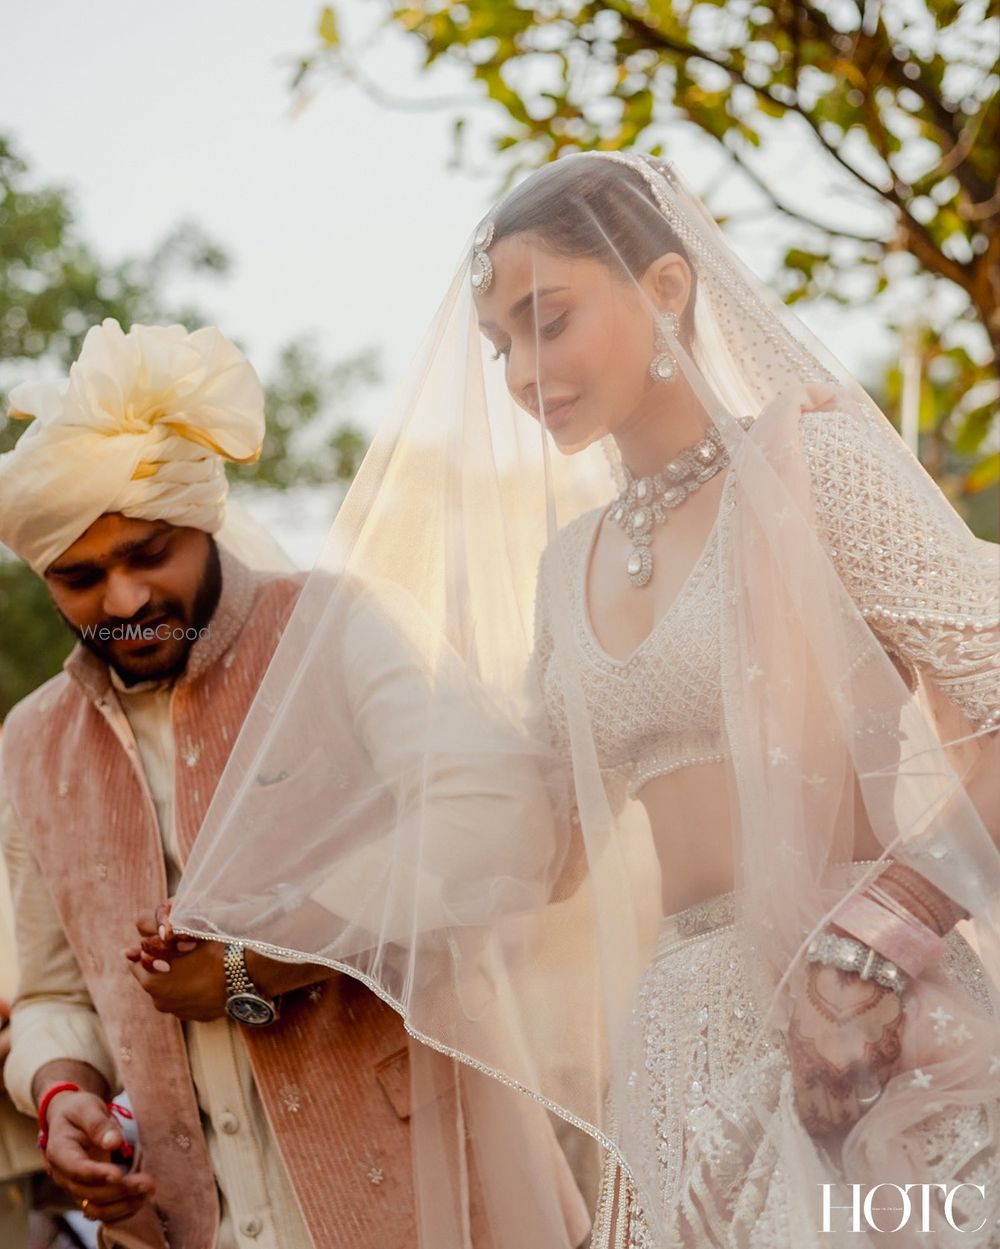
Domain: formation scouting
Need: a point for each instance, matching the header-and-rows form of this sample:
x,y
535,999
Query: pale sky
x,y
344,221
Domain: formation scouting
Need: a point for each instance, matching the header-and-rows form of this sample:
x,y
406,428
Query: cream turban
x,y
142,427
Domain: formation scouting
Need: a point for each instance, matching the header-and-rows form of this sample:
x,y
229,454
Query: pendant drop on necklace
x,y
640,566
646,501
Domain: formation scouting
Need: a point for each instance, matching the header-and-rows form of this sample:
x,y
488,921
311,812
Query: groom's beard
x,y
159,660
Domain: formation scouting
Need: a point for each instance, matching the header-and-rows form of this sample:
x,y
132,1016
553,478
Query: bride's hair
x,y
597,209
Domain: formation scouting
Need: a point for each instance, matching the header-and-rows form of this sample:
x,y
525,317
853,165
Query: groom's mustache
x,y
149,615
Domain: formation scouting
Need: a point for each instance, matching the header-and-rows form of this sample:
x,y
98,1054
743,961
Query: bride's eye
x,y
556,327
500,351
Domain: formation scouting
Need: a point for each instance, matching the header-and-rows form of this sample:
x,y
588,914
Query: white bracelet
x,y
832,950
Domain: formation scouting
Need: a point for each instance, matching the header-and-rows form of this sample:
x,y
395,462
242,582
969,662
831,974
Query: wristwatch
x,y
244,1001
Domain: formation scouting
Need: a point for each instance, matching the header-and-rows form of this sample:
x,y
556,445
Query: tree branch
x,y
795,213
916,233
640,30
891,70
352,71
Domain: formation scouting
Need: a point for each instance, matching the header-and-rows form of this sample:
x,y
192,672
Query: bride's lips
x,y
558,412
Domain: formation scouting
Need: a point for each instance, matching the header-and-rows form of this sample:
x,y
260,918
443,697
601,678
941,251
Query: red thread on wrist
x,y
122,1112
43,1110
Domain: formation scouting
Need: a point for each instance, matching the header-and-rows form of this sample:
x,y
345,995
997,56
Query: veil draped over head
x,y
449,789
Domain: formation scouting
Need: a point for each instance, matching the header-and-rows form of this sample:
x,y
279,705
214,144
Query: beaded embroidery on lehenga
x,y
722,1186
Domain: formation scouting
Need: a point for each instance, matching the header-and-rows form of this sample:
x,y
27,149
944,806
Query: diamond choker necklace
x,y
645,501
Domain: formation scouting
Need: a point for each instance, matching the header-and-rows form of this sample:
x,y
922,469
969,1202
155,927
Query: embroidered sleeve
x,y
929,588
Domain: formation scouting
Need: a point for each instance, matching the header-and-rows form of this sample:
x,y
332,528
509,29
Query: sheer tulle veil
x,y
420,795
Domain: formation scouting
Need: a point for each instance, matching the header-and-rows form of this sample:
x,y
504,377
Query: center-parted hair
x,y
593,209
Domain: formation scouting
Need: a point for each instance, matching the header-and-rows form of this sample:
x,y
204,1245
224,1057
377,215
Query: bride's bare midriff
x,y
689,814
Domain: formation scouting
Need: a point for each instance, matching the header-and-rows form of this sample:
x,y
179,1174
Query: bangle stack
x,y
849,955
886,926
880,939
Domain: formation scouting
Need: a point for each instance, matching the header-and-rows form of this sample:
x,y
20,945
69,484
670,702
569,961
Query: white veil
x,y
423,794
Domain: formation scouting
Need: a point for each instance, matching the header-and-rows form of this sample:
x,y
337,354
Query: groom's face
x,y
136,593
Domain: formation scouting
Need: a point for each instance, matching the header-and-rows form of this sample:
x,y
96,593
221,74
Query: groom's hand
x,y
79,1160
184,978
159,948
79,1155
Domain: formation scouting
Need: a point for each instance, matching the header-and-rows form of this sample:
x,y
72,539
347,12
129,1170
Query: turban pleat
x,y
142,427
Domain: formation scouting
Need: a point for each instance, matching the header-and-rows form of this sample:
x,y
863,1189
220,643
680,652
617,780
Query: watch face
x,y
249,1009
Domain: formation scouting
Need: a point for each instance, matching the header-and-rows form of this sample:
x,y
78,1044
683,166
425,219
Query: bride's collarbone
x,y
621,615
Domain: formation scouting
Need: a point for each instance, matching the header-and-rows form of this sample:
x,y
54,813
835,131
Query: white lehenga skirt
x,y
719,1181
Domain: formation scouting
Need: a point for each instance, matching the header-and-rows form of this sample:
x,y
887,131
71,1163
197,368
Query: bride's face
x,y
576,341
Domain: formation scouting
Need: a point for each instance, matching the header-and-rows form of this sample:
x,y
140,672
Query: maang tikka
x,y
482,267
664,365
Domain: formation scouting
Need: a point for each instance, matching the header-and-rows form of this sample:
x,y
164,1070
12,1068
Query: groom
x,y
256,1127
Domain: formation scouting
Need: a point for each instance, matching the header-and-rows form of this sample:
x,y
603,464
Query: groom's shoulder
x,y
34,709
280,587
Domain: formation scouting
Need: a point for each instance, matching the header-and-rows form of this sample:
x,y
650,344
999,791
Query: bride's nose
x,y
522,379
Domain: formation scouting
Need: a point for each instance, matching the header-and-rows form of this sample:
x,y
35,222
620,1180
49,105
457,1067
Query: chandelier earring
x,y
664,364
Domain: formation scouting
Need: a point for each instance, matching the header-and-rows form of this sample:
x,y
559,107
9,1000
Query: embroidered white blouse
x,y
931,593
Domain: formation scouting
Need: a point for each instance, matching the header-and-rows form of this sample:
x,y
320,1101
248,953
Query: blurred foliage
x,y
34,640
307,442
899,101
954,435
53,287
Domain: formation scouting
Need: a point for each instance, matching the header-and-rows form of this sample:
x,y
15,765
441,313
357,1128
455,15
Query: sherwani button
x,y
251,1227
228,1123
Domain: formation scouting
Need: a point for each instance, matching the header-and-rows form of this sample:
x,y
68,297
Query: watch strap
x,y
237,976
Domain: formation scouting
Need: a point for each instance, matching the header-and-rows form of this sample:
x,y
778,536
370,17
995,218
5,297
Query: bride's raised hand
x,y
159,945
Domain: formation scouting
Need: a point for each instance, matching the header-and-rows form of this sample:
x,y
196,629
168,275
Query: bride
x,y
758,962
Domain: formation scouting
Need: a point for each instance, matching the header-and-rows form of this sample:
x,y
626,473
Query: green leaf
x,y
985,474
329,28
770,107
974,429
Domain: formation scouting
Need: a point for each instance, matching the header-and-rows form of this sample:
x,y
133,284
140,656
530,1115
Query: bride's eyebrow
x,y
526,301
517,308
